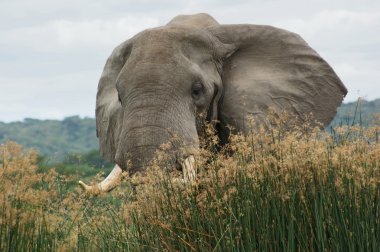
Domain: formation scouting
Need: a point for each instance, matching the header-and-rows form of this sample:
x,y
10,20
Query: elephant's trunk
x,y
154,122
141,146
139,151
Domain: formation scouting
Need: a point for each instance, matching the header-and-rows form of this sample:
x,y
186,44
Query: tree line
x,y
63,140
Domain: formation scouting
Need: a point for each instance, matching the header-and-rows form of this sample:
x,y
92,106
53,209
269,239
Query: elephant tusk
x,y
109,183
189,169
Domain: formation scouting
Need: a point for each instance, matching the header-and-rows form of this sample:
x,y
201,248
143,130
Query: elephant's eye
x,y
196,90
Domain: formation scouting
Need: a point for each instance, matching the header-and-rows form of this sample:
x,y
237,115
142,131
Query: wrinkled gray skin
x,y
155,85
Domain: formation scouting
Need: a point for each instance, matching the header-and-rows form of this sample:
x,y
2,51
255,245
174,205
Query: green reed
x,y
273,190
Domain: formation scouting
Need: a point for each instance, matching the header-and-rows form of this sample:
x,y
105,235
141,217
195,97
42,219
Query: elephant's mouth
x,y
113,179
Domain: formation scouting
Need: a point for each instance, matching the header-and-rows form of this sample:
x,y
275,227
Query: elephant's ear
x,y
275,68
109,114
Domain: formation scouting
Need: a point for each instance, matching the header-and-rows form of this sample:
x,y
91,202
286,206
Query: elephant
x,y
159,84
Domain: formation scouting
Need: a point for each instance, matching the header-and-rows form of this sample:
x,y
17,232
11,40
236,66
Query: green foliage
x,y
57,139
324,218
18,236
275,191
53,138
361,112
82,166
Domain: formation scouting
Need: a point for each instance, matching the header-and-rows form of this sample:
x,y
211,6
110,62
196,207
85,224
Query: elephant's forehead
x,y
172,38
171,46
159,34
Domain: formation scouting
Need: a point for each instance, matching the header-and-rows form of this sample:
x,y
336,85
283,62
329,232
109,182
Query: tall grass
x,y
279,188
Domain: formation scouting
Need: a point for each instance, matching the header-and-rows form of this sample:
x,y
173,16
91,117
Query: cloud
x,y
76,35
49,97
99,32
342,25
52,52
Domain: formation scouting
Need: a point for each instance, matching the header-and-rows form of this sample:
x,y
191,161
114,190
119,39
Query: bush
x,y
278,188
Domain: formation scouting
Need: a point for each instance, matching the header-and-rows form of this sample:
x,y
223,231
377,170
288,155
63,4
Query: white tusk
x,y
189,169
109,183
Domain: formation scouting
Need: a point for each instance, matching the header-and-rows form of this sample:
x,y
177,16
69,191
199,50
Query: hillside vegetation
x,y
361,112
53,138
56,139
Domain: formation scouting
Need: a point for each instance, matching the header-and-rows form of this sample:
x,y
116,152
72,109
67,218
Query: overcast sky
x,y
53,52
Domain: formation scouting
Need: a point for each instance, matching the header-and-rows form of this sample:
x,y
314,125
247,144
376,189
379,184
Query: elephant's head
x,y
156,86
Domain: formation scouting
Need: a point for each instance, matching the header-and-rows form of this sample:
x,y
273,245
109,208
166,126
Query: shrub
x,y
281,187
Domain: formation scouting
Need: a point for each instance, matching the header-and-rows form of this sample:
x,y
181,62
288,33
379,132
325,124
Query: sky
x,y
52,52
